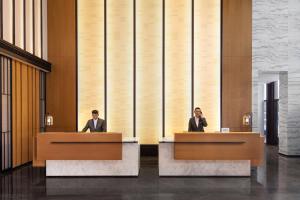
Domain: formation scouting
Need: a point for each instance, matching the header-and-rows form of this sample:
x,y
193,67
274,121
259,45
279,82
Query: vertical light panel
x,y
44,30
90,59
19,23
177,65
120,79
207,60
7,20
29,25
37,28
148,70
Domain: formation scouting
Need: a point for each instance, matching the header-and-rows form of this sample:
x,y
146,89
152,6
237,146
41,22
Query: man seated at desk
x,y
197,122
95,124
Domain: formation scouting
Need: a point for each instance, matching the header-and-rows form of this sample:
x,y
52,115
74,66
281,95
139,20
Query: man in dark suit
x,y
95,124
197,122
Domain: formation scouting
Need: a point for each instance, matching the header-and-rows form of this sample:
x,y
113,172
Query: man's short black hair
x,y
95,112
197,108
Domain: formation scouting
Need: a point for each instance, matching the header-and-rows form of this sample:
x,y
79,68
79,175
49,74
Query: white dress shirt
x,y
95,123
197,121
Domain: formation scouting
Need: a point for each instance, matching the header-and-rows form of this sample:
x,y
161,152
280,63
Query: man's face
x,y
95,116
197,112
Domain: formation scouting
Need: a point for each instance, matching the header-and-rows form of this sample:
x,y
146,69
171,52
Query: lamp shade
x,y
247,119
48,120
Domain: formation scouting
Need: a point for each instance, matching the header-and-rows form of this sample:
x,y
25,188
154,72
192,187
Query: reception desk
x,y
87,154
210,154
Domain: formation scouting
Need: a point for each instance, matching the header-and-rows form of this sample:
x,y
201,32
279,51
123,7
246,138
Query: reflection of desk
x,y
87,154
210,154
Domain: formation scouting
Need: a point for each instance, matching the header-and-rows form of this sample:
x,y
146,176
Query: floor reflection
x,y
278,178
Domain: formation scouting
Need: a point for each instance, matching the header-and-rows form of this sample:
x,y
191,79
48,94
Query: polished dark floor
x,y
278,179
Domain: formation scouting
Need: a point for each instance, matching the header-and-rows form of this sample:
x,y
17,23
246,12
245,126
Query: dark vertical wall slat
x,y
221,62
11,117
24,24
6,131
42,37
33,27
105,60
134,68
76,46
163,69
1,19
14,21
192,60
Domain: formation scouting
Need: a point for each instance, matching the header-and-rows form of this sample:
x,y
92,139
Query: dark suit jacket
x,y
193,126
101,126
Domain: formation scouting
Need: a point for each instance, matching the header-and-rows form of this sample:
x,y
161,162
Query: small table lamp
x,y
247,119
48,120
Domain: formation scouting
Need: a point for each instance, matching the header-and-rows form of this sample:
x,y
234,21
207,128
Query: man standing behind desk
x,y
95,124
197,122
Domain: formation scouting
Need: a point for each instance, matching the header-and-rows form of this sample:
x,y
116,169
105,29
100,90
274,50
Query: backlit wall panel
x,y
29,25
24,25
148,70
156,112
19,23
37,28
177,65
90,59
207,60
7,20
120,66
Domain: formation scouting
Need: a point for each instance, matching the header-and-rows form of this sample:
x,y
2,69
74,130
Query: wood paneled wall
x,y
61,82
25,110
236,63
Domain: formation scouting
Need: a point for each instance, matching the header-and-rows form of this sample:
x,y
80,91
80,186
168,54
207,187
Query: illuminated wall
x,y
90,59
24,25
158,64
177,65
207,47
149,70
120,66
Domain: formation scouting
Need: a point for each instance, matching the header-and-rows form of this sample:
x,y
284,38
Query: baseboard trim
x,y
149,149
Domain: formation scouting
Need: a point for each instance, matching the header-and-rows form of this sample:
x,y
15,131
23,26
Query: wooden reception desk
x,y
86,154
225,146
75,146
210,154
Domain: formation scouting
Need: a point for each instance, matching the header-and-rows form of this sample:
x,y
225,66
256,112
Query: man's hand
x,y
201,115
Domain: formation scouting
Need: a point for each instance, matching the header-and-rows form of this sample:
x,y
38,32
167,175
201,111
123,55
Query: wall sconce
x,y
247,119
48,120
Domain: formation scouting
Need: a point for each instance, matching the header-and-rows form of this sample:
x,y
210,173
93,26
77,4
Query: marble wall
x,y
276,49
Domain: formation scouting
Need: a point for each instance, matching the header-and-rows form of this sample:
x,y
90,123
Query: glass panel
x,y
2,149
4,76
6,149
42,100
42,114
9,113
4,113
